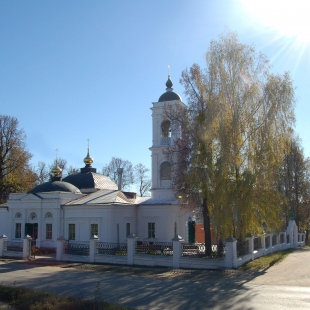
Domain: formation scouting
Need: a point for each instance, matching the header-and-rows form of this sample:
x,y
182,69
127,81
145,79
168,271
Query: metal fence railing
x,y
76,248
13,246
243,247
154,248
257,243
198,250
274,240
111,248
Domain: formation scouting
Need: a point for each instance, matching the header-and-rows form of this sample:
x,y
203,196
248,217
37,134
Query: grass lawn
x,y
266,261
26,299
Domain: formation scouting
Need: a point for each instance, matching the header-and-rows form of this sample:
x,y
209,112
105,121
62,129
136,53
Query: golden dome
x,y
56,170
88,160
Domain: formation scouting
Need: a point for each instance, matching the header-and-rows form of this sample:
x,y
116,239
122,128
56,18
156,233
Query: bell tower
x,y
164,135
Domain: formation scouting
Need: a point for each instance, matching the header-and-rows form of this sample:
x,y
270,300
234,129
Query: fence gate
x,y
32,248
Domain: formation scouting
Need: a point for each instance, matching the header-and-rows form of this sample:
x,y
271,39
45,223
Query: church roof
x,y
91,180
88,180
151,201
105,197
56,186
169,94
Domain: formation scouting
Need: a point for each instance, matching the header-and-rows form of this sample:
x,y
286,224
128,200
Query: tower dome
x,y
55,186
56,171
88,160
169,94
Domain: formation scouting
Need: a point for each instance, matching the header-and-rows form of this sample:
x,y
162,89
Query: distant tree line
x,y
18,175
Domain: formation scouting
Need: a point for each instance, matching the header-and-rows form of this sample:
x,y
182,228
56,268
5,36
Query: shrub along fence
x,y
175,254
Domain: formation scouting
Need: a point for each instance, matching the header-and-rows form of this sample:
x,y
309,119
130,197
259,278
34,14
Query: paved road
x,y
283,286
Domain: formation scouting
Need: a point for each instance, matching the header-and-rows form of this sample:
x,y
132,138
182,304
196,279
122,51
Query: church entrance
x,y
31,229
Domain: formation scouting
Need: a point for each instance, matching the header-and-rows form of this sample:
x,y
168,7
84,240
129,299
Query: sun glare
x,y
289,18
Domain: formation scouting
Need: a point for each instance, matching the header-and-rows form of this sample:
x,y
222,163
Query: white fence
x,y
18,249
174,254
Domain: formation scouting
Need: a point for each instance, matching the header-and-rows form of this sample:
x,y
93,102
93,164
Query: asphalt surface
x,y
283,286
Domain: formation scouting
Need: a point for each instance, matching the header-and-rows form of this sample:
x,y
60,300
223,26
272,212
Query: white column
x,y
131,248
92,248
177,251
26,246
3,238
263,238
231,253
59,248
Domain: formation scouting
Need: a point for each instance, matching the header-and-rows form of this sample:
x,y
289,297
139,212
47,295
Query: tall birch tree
x,y
234,134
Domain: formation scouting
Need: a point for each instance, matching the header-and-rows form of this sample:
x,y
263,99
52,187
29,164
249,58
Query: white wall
x,y
111,220
164,217
4,221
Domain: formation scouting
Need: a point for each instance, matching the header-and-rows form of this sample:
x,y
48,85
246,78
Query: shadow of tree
x,y
139,287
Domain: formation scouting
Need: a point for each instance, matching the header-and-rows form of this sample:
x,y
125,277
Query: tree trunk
x,y
207,227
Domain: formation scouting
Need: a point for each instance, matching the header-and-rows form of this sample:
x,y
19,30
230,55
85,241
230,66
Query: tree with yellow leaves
x,y
15,172
234,134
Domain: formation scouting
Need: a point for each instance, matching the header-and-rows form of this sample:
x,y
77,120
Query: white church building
x,y
88,203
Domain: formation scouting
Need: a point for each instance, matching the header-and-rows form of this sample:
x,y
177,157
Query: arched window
x,y
48,215
18,215
33,215
165,171
166,129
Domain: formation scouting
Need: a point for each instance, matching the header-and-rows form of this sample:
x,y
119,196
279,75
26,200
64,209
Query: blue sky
x,y
77,70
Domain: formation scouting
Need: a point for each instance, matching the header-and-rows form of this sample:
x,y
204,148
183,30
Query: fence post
x,y
26,246
251,246
268,236
231,253
176,245
131,248
263,237
295,236
3,238
59,248
92,248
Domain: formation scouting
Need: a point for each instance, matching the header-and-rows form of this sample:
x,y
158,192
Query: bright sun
x,y
289,18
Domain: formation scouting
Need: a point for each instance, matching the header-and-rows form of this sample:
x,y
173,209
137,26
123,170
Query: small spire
x,y
56,171
169,84
88,160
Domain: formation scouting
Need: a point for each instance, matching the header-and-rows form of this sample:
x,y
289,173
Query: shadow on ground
x,y
136,287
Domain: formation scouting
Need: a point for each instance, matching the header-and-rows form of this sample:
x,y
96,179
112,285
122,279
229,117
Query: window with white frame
x,y
166,129
18,230
151,230
165,171
71,234
32,216
93,229
49,231
48,215
128,229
